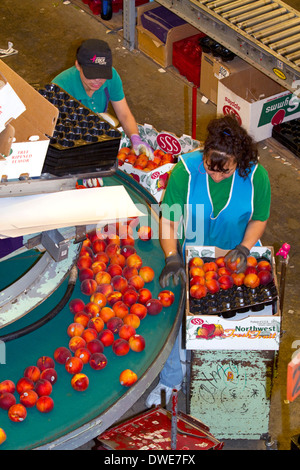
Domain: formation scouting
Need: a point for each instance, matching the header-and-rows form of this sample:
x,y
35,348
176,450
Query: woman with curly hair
x,y
219,197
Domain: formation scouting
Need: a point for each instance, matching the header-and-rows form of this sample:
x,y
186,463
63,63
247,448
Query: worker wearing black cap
x,y
95,82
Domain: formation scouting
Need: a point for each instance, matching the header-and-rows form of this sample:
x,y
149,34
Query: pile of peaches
x,y
142,162
116,282
213,276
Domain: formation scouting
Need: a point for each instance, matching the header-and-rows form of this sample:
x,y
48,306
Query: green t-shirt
x,y
111,90
176,193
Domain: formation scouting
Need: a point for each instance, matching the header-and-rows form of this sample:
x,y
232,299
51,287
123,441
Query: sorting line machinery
x,y
265,33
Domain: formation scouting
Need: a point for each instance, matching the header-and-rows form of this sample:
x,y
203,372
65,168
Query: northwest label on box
x,y
277,110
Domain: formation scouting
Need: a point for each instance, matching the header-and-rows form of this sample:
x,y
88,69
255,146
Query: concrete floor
x,y
46,34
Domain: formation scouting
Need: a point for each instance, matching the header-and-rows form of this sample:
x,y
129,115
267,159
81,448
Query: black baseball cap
x,y
95,58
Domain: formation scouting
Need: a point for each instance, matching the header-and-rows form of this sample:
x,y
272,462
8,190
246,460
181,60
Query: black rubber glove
x,y
242,252
174,267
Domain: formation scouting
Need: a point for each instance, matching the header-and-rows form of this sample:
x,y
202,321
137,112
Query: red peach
x,y
44,362
95,346
82,317
198,280
98,361
92,309
85,273
76,342
134,261
75,329
250,269
129,272
225,282
113,238
32,372
106,337
114,297
89,334
99,245
238,278
99,299
139,310
101,256
120,308
251,280
86,251
211,275
97,323
232,265
265,277
251,261
212,286
154,306
80,382
74,365
147,273
264,266
137,343
45,404
166,297
220,261
7,386
127,378
136,282
126,331
118,259
97,267
106,313
114,324
128,241
119,283
24,384
84,354
127,250
17,413
61,354
132,319
88,286
105,289
43,387
196,261
112,249
210,266
120,347
196,271
224,270
7,400
198,291
102,277
144,295
29,398
114,270
50,375
145,233
129,297
2,436
84,262
76,305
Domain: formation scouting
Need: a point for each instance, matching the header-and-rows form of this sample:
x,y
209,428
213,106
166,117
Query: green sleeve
x,y
175,197
262,194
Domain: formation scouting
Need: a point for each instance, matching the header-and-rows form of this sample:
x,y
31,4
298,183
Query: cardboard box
x,y
31,130
11,106
155,181
214,69
252,330
161,52
257,101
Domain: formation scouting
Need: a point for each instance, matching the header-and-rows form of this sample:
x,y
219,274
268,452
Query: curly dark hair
x,y
226,138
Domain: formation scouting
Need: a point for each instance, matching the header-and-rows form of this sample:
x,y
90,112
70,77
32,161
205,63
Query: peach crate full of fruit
x,y
226,310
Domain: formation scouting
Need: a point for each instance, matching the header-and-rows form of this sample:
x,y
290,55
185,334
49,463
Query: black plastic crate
x,y
288,134
82,141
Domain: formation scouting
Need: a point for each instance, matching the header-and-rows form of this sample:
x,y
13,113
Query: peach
x,y
232,265
84,354
112,249
224,270
17,413
119,283
139,310
129,297
196,271
80,382
114,270
251,261
120,347
99,245
101,256
97,323
225,282
43,387
196,261
211,275
75,329
212,286
106,337
2,436
220,261
126,331
89,334
7,400
120,308
74,365
45,404
137,343
127,250
136,282
61,354
154,306
99,299
50,375
114,297
98,266
145,233
132,319
24,384
86,251
198,280
113,238
238,278
82,317
84,262
118,259
92,309
134,261
7,386
95,346
76,342
127,378
166,297
144,295
198,291
210,266
129,272
88,286
264,265
128,241
105,289
86,273
76,305
251,280
32,372
106,313
98,361
114,324
103,277
265,277
147,273
250,269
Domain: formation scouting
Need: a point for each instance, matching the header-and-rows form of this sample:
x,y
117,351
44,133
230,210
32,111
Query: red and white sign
x,y
168,143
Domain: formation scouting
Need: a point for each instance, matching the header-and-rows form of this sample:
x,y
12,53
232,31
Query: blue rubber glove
x,y
139,146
